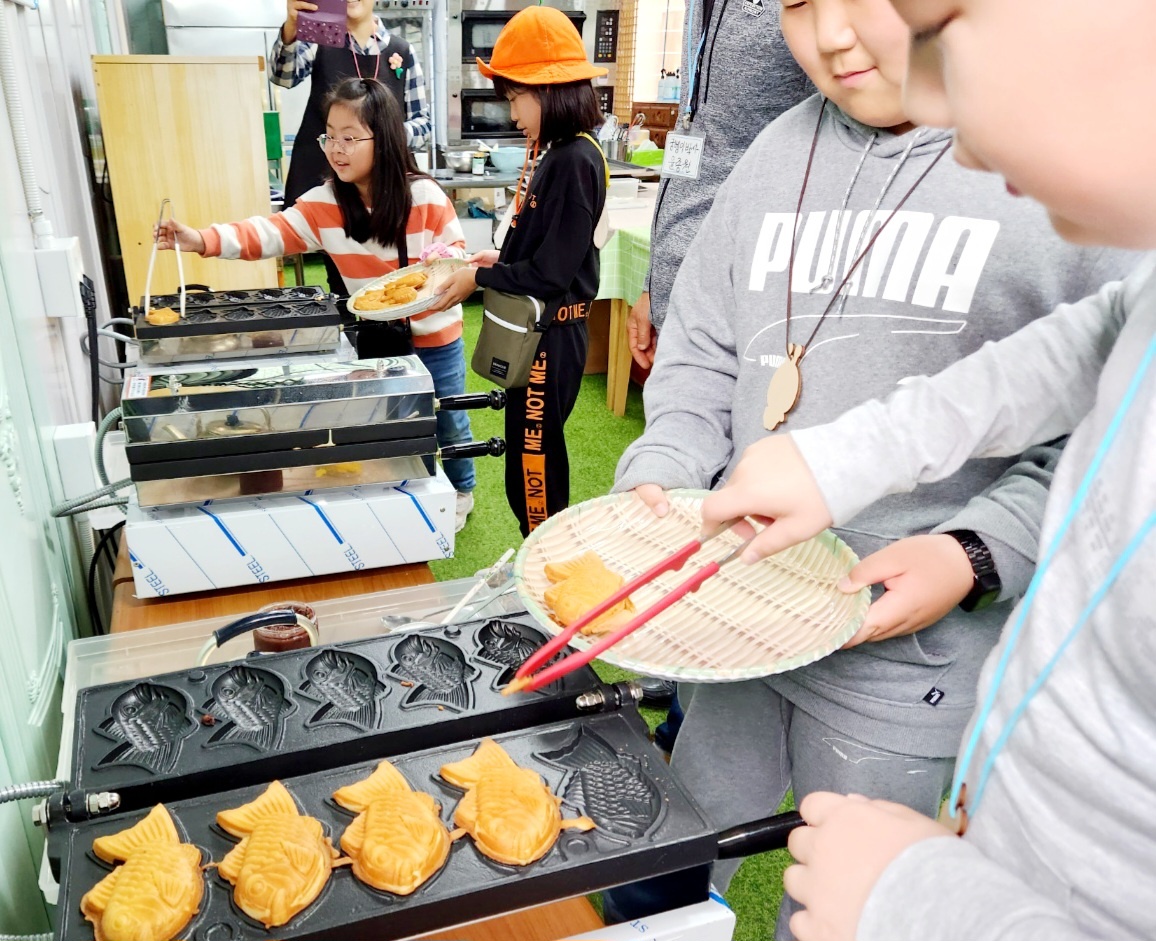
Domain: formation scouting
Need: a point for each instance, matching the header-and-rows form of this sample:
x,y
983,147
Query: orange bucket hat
x,y
539,46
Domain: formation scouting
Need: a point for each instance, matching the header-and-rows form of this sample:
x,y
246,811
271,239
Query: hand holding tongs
x,y
153,258
523,681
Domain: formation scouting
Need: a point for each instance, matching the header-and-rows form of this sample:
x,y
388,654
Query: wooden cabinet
x,y
188,128
661,118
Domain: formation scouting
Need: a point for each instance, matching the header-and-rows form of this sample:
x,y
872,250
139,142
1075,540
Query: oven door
x,y
486,115
480,29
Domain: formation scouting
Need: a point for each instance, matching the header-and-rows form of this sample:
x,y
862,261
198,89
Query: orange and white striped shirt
x,y
313,224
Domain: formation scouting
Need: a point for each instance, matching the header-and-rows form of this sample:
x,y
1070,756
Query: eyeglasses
x,y
343,145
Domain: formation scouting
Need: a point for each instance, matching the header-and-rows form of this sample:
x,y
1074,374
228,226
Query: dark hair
x,y
393,164
568,109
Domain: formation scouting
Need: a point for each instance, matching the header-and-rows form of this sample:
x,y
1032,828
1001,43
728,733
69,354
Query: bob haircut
x,y
568,108
394,167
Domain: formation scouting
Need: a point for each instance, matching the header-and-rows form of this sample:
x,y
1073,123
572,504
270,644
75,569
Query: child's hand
x,y
841,853
640,332
434,251
654,497
484,259
460,285
170,234
925,577
773,484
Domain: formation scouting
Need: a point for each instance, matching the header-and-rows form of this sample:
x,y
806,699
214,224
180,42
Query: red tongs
x,y
525,682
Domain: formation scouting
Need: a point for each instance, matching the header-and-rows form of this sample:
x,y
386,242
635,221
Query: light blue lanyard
x,y
1029,598
692,61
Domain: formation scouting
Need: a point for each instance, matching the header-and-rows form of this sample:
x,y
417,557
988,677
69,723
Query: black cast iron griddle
x,y
210,729
603,766
209,313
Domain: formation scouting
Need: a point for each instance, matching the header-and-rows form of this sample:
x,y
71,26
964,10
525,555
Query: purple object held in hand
x,y
326,26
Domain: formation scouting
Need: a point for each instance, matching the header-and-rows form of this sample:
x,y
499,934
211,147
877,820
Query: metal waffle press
x,y
213,738
288,427
233,324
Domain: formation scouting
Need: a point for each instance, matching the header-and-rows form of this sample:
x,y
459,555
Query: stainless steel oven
x,y
473,110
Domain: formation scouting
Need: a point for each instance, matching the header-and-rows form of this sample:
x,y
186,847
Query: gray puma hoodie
x,y
961,263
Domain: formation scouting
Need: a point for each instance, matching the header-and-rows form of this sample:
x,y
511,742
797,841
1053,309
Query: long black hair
x,y
568,108
393,164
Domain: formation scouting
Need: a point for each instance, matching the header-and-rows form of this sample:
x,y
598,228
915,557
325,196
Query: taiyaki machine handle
x,y
251,622
495,399
758,836
494,447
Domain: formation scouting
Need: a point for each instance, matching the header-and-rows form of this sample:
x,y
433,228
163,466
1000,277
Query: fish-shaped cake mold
x,y
438,670
150,722
398,840
252,706
347,686
156,891
577,585
508,644
611,788
283,860
510,812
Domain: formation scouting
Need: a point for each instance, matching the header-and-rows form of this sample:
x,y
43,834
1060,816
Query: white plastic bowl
x,y
508,159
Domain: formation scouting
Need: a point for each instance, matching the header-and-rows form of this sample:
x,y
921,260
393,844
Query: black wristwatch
x,y
987,585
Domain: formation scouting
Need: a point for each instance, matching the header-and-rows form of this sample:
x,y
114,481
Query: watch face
x,y
984,593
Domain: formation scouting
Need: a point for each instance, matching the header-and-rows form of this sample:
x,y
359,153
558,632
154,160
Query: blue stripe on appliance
x,y
347,549
252,563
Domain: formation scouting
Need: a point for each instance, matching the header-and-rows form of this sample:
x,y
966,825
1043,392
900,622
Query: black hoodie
x,y
549,252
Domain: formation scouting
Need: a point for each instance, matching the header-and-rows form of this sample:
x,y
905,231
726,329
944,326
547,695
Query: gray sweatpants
x,y
742,746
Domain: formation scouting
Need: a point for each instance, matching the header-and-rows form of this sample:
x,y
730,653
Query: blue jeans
x,y
447,365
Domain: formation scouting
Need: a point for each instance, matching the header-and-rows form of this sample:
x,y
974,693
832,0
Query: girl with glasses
x,y
375,213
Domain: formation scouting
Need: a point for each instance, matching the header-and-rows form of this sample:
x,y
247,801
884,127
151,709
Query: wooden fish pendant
x,y
785,388
398,840
157,890
958,823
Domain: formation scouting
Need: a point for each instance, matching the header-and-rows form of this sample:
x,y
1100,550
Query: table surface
x,y
544,923
130,613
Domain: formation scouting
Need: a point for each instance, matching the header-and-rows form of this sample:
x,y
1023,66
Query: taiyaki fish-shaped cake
x,y
398,839
508,810
283,860
579,584
157,890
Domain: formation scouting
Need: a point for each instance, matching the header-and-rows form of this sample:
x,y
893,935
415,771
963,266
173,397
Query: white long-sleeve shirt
x,y
1063,846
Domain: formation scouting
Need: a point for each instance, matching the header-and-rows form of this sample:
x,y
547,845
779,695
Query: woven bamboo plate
x,y
745,622
438,270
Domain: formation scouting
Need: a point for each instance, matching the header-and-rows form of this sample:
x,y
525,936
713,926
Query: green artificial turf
x,y
595,439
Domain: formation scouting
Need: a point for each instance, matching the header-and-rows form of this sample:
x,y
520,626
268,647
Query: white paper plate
x,y
438,270
745,622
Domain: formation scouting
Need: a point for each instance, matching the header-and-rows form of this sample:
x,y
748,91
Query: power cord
x,y
85,503
88,299
105,542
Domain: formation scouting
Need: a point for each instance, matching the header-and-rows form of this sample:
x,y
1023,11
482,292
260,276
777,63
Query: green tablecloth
x,y
624,260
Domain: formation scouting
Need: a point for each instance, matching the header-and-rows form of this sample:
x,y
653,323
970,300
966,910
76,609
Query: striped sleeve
x,y
284,233
433,219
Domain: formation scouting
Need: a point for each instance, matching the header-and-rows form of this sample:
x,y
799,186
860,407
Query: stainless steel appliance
x,y
474,111
287,426
234,324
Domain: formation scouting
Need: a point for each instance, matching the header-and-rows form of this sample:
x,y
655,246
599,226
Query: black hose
x,y
88,299
93,607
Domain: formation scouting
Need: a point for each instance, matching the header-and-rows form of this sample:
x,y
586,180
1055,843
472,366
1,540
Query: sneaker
x,y
463,508
656,692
